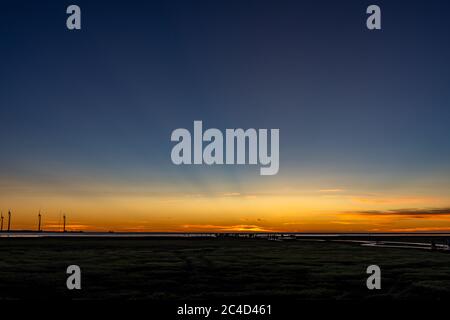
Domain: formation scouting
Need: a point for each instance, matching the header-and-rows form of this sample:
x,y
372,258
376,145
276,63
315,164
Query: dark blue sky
x,y
103,101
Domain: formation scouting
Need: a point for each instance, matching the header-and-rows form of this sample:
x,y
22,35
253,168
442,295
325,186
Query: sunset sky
x,y
86,116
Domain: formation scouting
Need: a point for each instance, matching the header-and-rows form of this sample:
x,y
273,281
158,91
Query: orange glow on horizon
x,y
322,211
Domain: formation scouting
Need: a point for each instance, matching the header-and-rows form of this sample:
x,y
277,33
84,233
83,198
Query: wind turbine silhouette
x,y
9,220
39,221
64,219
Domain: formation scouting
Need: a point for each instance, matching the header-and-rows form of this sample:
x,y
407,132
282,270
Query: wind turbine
x,y
1,214
9,220
39,221
64,226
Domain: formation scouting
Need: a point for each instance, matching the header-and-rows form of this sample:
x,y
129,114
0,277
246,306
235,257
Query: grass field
x,y
199,269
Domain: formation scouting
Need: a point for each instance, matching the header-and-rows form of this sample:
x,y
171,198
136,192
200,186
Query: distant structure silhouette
x,y
39,221
64,223
9,220
1,216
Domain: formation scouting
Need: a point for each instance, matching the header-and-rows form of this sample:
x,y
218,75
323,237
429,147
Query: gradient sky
x,y
86,116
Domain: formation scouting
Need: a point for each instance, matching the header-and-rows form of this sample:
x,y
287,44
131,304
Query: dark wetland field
x,y
201,269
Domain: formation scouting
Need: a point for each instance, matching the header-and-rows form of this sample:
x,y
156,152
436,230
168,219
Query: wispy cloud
x,y
421,229
331,190
409,212
232,194
71,227
235,228
393,200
